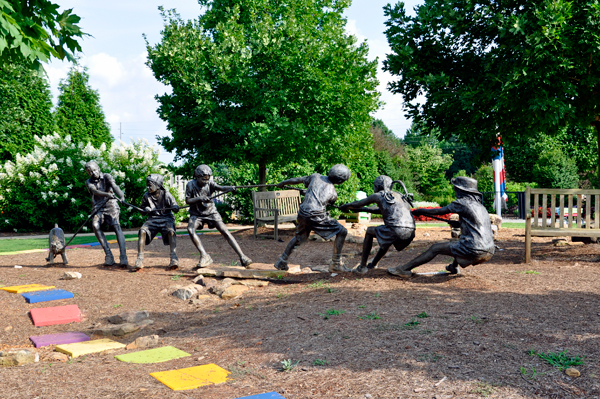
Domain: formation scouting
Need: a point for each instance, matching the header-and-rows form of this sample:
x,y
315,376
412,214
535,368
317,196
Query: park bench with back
x,y
563,220
275,207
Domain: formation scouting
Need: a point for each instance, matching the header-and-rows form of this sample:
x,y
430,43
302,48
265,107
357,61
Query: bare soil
x,y
479,328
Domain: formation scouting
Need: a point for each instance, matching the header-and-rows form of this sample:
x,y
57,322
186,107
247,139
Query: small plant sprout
x,y
318,284
378,294
117,306
528,272
288,365
422,315
176,277
559,360
331,312
362,306
320,362
411,325
370,316
476,320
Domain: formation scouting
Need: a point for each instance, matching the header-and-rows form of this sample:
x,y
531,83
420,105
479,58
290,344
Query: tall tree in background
x,y
79,113
487,68
266,82
25,110
33,31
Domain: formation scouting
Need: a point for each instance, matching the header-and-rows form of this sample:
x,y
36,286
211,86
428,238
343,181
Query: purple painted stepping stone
x,y
268,395
58,339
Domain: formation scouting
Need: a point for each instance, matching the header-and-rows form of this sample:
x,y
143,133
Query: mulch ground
x,y
479,328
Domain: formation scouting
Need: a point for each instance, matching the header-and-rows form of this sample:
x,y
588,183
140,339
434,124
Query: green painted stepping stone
x,y
153,355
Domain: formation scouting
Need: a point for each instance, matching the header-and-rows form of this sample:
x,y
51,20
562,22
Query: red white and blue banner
x,y
499,174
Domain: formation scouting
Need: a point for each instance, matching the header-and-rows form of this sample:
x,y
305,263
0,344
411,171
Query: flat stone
x,y
58,357
572,372
252,283
209,272
201,299
144,342
129,317
561,244
18,357
208,282
249,273
198,280
71,275
306,270
234,291
184,293
294,269
576,243
120,330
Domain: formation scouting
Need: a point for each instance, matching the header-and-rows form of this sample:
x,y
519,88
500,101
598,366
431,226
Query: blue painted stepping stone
x,y
45,296
268,395
58,339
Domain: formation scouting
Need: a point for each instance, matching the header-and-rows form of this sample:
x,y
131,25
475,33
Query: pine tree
x,y
25,109
79,113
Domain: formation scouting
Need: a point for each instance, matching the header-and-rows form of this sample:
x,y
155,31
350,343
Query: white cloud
x,y
105,67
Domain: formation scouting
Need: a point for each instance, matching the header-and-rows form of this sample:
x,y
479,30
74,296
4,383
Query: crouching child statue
x,y
476,243
398,228
159,204
313,216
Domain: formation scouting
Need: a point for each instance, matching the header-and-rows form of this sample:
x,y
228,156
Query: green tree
x,y
267,82
508,68
34,31
79,113
25,110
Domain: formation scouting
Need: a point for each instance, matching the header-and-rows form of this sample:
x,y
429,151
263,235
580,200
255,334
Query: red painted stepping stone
x,y
57,339
55,315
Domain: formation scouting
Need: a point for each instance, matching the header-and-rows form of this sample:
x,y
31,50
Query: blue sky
x,y
116,54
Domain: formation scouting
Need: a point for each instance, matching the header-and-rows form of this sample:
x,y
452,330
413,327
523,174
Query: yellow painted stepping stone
x,y
85,348
192,377
153,355
17,289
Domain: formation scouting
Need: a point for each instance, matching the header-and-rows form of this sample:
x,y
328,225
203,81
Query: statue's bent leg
x,y
442,248
244,260
139,262
295,242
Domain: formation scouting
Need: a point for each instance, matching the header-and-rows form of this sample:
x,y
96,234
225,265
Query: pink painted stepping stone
x,y
58,339
55,315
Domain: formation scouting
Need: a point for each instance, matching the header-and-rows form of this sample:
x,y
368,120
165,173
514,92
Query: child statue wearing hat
x,y
159,204
476,243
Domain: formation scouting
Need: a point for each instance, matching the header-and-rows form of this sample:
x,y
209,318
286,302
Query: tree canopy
x,y
34,31
266,82
25,110
79,113
478,69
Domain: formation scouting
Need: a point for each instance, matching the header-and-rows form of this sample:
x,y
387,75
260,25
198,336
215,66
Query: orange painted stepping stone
x,y
192,377
17,289
55,315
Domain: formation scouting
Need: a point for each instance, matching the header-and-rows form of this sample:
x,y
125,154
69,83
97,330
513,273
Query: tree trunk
x,y
262,174
596,124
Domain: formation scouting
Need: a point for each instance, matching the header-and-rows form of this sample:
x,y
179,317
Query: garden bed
x,y
373,336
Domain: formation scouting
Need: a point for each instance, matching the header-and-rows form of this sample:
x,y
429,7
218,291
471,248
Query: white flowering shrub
x,y
47,186
425,204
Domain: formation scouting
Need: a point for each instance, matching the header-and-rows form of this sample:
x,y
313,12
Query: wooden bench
x,y
275,207
572,222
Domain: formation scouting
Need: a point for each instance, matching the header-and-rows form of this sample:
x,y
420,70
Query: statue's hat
x,y
466,184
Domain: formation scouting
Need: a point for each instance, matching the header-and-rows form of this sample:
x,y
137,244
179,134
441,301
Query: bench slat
x,y
553,211
565,232
570,204
544,212
561,223
579,216
588,210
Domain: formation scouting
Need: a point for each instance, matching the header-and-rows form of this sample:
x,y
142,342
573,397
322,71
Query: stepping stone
x,y
85,348
17,289
55,315
153,355
268,395
57,339
46,296
192,377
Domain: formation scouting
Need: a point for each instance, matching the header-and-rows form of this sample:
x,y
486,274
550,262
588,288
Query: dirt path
x,y
477,332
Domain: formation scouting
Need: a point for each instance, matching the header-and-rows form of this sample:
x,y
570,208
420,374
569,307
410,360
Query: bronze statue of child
x,y
104,192
313,216
476,243
203,210
398,228
159,204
